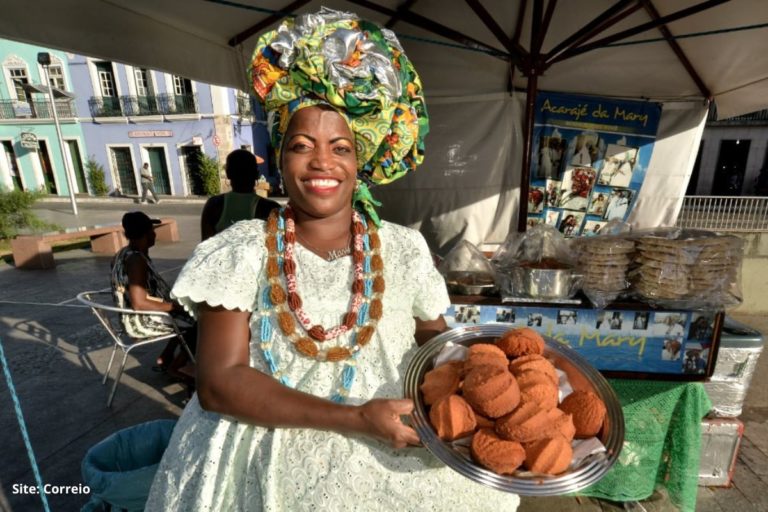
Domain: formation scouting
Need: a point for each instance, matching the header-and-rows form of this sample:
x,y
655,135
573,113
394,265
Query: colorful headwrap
x,y
360,70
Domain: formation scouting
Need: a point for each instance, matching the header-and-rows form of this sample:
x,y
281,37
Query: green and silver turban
x,y
360,70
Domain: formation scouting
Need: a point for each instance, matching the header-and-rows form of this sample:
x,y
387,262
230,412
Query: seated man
x,y
242,203
136,284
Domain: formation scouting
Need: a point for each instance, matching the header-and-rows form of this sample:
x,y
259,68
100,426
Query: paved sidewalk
x,y
57,353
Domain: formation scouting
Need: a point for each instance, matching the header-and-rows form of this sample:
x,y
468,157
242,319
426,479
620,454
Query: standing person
x,y
147,184
241,203
302,345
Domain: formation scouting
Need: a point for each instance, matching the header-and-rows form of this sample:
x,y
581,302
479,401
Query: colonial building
x,y
732,154
119,116
30,154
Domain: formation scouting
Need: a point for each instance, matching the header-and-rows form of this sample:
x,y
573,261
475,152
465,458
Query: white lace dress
x,y
215,462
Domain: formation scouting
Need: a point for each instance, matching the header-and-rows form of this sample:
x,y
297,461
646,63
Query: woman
x,y
282,420
136,284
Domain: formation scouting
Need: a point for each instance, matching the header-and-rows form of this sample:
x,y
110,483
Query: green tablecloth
x,y
661,444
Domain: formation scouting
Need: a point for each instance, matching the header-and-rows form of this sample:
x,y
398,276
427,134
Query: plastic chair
x,y
109,316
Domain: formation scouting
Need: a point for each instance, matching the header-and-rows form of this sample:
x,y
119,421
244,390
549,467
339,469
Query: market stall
x,y
483,67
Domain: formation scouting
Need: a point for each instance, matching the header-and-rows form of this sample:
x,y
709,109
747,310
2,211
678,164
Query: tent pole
x,y
525,181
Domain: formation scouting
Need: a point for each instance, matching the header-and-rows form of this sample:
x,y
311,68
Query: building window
x,y
19,79
181,86
56,77
143,85
106,79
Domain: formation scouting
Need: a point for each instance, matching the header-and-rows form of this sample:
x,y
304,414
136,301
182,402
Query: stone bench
x,y
35,251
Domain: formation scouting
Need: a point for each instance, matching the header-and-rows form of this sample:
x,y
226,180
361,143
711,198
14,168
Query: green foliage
x,y
210,175
16,213
96,177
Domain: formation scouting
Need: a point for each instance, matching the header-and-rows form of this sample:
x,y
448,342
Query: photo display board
x,y
637,341
589,159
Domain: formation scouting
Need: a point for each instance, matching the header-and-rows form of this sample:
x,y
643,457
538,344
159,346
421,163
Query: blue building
x,y
132,115
119,116
30,154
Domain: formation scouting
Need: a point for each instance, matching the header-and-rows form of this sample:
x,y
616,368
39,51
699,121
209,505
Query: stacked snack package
x,y
688,268
605,262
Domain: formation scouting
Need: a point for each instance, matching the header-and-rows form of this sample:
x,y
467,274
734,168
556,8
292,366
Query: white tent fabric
x,y
190,37
469,190
469,185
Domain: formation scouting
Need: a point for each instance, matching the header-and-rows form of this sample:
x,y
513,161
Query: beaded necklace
x,y
285,308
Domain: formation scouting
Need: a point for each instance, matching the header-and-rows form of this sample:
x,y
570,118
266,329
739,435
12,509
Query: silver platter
x,y
581,376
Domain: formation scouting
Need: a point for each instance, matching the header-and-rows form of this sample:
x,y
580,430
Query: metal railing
x,y
759,117
173,104
105,106
36,109
724,213
142,105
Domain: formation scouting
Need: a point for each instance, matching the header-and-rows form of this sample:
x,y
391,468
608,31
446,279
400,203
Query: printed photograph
x,y
597,203
641,320
576,187
553,192
695,359
671,326
618,204
570,223
506,315
702,327
592,227
609,320
467,315
551,150
535,319
584,149
533,221
551,217
567,317
618,163
536,199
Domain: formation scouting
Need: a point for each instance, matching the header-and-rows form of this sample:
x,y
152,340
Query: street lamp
x,y
44,59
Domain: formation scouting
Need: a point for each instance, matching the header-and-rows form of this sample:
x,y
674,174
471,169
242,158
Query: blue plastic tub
x,y
120,469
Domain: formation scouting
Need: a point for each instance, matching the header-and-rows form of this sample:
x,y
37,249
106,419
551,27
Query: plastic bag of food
x,y
685,268
467,271
604,261
537,264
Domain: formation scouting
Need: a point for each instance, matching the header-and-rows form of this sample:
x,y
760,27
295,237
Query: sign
x,y
150,133
665,342
29,140
588,160
216,140
197,141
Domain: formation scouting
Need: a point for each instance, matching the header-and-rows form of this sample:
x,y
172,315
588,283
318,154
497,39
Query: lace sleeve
x,y
430,294
223,270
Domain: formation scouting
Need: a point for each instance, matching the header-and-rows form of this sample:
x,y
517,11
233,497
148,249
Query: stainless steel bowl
x,y
542,283
581,376
470,283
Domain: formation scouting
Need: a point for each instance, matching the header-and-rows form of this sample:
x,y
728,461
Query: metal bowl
x,y
542,283
470,283
581,376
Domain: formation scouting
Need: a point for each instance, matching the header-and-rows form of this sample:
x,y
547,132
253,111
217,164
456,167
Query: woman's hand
x,y
381,420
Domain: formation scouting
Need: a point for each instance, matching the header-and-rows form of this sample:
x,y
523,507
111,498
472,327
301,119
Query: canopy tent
x,y
472,55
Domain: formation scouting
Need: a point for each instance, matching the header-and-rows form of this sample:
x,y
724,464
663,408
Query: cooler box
x,y
720,440
740,347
